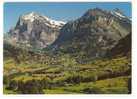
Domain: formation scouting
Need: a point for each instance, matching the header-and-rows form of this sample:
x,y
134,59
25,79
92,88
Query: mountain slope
x,y
93,34
35,30
123,48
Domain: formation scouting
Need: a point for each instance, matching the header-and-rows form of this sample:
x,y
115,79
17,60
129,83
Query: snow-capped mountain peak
x,y
33,15
118,13
35,30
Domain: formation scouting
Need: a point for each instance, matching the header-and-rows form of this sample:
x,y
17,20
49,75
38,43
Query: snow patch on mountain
x,y
117,14
31,16
52,23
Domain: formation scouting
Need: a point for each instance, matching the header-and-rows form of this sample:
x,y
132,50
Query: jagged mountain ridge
x,y
93,34
35,30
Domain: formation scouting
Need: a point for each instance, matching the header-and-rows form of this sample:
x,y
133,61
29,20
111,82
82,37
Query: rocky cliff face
x,y
95,33
34,30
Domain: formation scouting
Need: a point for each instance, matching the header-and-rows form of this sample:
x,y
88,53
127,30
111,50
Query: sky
x,y
62,11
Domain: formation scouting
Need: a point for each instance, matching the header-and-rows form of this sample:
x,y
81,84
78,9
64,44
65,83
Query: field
x,y
64,75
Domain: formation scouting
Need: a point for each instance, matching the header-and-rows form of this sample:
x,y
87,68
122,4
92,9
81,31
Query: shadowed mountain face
x,y
34,30
95,33
123,48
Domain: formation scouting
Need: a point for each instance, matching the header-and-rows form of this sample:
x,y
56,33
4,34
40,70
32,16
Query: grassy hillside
x,y
44,73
